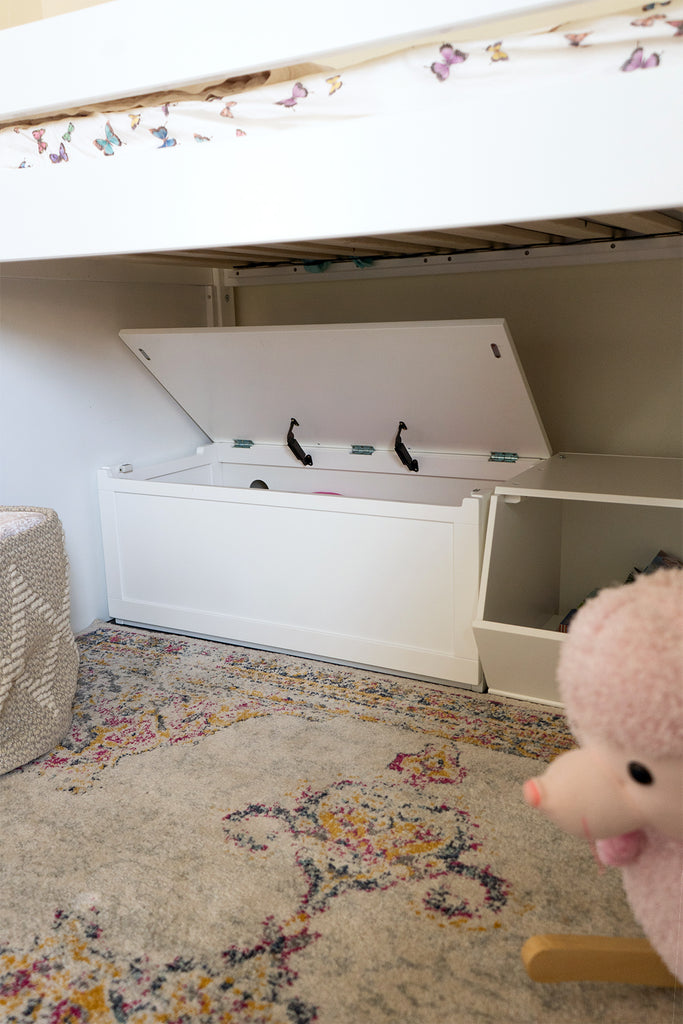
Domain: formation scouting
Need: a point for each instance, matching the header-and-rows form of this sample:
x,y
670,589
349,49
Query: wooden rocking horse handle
x,y
553,958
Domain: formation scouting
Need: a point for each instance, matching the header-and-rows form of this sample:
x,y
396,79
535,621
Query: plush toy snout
x,y
599,791
582,795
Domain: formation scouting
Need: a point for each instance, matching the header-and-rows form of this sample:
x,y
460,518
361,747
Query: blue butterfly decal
x,y
107,145
162,133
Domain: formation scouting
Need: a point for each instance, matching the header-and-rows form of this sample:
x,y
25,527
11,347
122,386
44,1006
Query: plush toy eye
x,y
639,773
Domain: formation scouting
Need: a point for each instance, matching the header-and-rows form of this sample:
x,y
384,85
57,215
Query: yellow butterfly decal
x,y
496,51
134,120
335,83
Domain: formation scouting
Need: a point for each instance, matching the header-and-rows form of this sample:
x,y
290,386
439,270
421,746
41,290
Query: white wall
x,y
74,398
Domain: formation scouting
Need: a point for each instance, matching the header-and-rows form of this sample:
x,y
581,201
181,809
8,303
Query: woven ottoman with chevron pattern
x,y
38,658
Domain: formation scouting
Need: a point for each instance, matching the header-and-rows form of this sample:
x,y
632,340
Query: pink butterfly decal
x,y
678,25
450,56
638,60
239,132
227,109
576,38
37,134
57,158
647,22
299,92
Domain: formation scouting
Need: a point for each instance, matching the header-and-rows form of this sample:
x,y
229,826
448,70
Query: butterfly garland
x,y
449,57
576,38
61,156
299,92
107,144
496,51
162,133
37,134
638,60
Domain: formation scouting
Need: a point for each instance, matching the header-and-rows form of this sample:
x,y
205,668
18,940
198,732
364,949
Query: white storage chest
x,y
556,533
358,549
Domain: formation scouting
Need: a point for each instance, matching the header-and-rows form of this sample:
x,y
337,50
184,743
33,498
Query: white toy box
x,y
340,510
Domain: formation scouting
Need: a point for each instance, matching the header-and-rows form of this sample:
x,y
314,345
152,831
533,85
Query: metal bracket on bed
x,y
402,452
295,447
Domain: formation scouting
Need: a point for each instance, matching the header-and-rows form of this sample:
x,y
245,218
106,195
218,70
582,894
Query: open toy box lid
x,y
457,385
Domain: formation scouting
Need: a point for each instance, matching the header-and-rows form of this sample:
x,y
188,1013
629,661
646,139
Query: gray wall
x,y
73,398
602,345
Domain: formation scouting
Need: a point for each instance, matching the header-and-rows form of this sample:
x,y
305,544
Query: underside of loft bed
x,y
539,162
439,250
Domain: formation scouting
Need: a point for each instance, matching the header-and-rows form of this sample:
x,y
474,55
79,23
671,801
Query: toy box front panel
x,y
387,584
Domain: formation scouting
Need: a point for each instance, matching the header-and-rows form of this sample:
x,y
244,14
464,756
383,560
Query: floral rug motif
x,y
227,685
369,837
230,835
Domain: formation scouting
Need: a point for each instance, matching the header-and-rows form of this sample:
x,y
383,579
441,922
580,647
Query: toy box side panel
x,y
520,662
373,583
519,596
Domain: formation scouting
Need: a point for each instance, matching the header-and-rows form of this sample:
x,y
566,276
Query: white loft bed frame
x,y
563,152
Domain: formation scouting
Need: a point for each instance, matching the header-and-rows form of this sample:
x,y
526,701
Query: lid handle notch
x,y
402,452
295,447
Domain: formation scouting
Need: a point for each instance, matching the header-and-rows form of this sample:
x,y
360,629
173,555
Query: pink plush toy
x,y
621,679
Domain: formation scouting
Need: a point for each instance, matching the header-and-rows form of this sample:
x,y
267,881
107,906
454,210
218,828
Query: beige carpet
x,y
237,836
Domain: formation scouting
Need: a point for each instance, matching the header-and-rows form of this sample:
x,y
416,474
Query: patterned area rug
x,y
231,835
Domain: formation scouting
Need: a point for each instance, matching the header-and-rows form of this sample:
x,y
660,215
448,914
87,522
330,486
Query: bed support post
x,y
220,300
